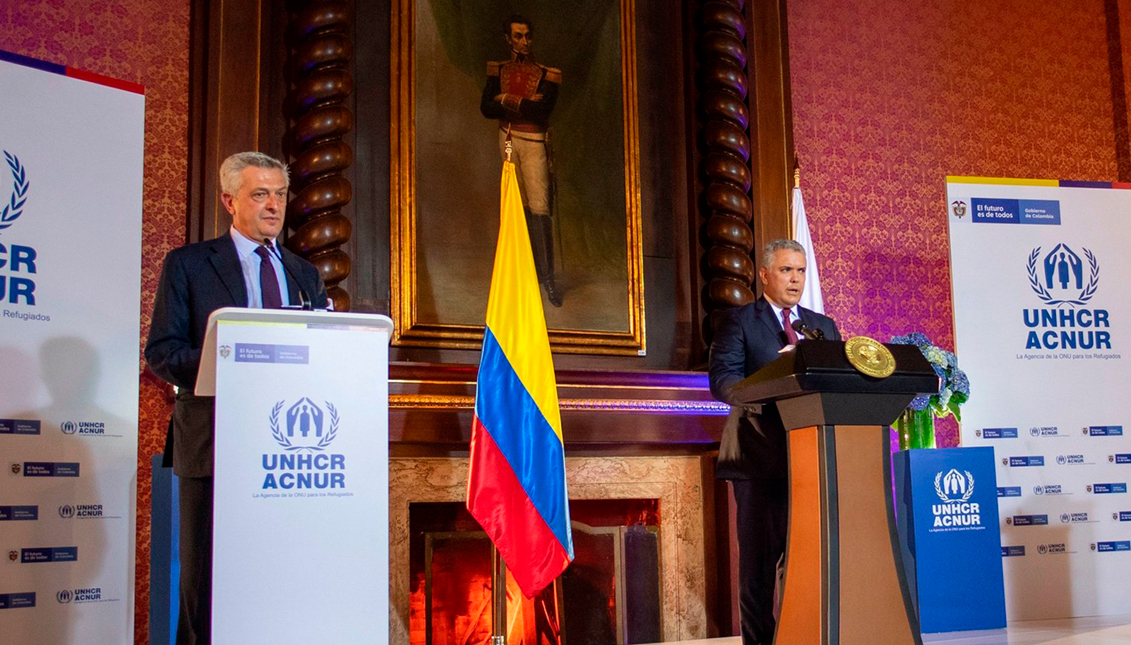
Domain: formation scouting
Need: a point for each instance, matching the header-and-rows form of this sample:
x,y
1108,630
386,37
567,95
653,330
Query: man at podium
x,y
752,453
243,268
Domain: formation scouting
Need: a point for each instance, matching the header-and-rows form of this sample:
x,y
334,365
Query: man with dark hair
x,y
521,94
243,268
753,453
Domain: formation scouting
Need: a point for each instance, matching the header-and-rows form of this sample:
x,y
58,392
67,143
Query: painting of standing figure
x,y
554,84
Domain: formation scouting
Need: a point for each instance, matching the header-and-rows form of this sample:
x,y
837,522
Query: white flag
x,y
810,298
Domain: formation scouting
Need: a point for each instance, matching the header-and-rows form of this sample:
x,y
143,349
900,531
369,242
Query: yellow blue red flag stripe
x,y
516,485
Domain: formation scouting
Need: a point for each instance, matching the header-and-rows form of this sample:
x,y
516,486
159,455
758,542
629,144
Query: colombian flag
x,y
516,485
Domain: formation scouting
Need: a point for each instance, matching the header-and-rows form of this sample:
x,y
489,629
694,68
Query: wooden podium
x,y
844,578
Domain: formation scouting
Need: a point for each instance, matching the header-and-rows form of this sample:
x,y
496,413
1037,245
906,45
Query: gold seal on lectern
x,y
869,356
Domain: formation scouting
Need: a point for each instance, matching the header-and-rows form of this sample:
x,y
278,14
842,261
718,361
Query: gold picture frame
x,y
442,176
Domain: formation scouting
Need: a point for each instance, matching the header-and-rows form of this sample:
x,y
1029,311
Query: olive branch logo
x,y
946,498
20,184
285,441
1085,294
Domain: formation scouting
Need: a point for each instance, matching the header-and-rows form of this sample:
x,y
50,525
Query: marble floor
x,y
1092,630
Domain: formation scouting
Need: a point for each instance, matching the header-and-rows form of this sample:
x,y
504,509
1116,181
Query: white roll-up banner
x,y
70,284
1043,329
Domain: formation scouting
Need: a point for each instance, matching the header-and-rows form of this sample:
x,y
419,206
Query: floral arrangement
x,y
955,389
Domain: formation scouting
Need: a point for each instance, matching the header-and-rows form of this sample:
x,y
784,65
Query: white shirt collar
x,y
246,246
794,313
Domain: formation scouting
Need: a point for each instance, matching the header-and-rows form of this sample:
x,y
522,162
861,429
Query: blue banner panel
x,y
1105,431
950,536
17,600
995,211
51,469
19,426
1039,211
19,513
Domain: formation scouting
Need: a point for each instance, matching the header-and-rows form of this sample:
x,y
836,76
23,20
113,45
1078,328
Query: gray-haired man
x,y
243,268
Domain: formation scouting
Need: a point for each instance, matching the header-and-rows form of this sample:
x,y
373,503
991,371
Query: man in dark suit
x,y
753,450
243,268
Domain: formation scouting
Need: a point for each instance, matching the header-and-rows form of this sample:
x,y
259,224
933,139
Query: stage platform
x,y
1092,630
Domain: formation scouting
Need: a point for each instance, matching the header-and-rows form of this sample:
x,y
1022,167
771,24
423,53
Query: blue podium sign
x,y
951,537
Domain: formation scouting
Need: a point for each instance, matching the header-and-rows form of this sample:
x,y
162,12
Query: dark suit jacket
x,y
746,339
195,281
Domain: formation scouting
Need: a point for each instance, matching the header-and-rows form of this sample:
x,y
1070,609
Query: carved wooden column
x,y
724,151
319,119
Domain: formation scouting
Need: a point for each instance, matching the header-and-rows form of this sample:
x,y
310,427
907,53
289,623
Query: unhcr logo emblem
x,y
66,511
307,426
69,427
953,487
304,431
956,512
65,596
1058,278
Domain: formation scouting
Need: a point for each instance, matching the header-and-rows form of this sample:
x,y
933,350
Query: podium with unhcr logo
x,y
844,578
300,519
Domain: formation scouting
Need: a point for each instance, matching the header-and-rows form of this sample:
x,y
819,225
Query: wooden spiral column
x,y
724,152
319,120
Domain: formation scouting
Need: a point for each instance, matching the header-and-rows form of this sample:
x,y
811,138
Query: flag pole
x,y
498,598
498,565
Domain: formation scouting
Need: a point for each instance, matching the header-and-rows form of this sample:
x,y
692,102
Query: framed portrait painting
x,y
557,81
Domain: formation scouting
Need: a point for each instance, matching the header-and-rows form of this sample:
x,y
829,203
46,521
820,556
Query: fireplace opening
x,y
609,594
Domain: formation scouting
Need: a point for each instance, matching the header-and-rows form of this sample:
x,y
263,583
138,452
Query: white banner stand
x,y
301,507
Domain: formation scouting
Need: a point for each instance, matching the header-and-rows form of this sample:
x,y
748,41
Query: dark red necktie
x,y
268,281
789,333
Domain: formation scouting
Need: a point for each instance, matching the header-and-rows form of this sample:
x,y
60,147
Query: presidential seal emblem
x,y
869,357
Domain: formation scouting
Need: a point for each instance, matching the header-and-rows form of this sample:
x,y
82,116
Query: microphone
x,y
304,298
807,331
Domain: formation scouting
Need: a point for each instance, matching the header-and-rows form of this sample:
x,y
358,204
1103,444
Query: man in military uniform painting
x,y
521,94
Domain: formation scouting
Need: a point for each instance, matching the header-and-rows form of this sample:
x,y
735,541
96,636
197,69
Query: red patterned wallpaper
x,y
147,42
890,97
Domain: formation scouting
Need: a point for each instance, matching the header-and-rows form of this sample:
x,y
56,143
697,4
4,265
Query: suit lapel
x,y
808,317
765,314
227,265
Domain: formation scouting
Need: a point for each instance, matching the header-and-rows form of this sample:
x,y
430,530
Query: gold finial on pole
x,y
507,147
796,175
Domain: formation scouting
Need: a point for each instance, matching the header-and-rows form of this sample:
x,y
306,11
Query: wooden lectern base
x,y
843,582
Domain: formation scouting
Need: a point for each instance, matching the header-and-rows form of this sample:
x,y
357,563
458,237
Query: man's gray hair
x,y
774,246
230,170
